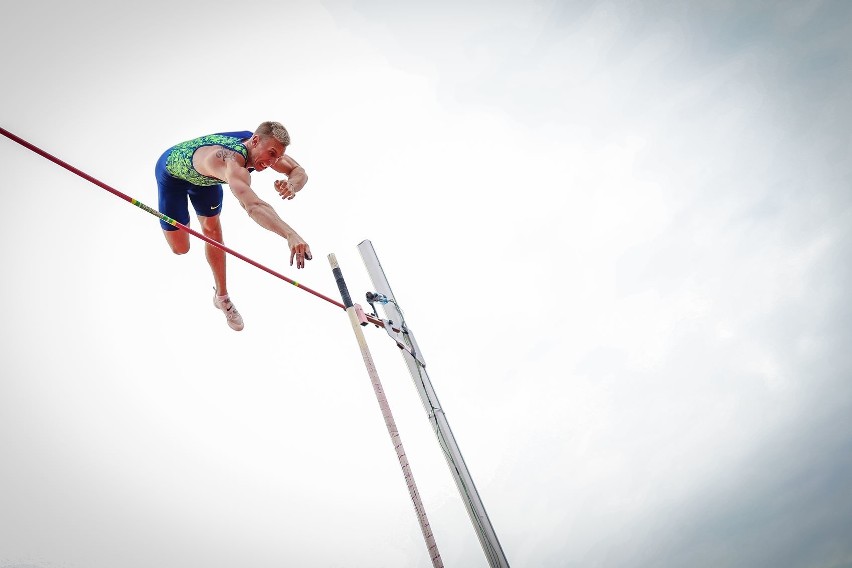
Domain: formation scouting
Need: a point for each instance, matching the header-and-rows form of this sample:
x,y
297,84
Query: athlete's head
x,y
274,129
267,145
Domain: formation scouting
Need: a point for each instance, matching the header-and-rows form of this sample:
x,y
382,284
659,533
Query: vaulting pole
x,y
356,317
169,220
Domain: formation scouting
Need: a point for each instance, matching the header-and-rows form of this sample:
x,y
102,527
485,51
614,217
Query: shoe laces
x,y
228,306
230,310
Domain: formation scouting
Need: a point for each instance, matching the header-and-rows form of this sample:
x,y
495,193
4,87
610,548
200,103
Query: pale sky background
x,y
621,232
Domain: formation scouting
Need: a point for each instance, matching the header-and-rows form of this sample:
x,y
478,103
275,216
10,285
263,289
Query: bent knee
x,y
179,247
178,242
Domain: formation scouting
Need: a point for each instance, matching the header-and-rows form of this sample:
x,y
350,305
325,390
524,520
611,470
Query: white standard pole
x,y
356,321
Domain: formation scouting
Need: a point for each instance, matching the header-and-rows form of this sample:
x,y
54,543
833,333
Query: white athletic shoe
x,y
224,303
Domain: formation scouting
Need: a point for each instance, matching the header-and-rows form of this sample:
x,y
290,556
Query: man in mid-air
x,y
195,171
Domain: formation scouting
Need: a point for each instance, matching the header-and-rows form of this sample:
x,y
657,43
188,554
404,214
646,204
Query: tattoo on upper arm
x,y
225,154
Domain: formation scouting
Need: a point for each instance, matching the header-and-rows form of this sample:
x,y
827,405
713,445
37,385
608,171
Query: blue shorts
x,y
173,193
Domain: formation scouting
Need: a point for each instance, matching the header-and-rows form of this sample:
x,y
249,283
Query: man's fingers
x,y
285,190
301,253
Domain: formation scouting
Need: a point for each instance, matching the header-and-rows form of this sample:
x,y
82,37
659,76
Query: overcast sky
x,y
621,232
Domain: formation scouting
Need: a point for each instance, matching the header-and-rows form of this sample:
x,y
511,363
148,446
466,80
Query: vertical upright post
x,y
352,310
417,369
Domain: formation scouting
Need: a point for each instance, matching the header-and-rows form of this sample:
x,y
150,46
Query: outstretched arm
x,y
226,167
297,177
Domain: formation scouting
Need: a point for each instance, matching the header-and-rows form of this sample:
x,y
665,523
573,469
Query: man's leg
x,y
172,194
212,228
178,241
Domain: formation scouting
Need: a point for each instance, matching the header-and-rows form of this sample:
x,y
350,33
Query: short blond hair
x,y
274,129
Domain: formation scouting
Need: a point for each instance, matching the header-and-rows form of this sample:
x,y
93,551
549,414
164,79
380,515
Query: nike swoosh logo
x,y
215,206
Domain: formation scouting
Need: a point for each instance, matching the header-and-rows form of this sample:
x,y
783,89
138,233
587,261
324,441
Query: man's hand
x,y
299,250
285,189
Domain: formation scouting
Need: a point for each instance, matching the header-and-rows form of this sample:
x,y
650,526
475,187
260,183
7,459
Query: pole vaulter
x,y
171,221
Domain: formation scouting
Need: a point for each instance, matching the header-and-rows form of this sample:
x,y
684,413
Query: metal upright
x,y
399,331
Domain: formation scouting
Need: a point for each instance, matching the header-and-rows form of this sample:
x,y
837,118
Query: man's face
x,y
264,151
